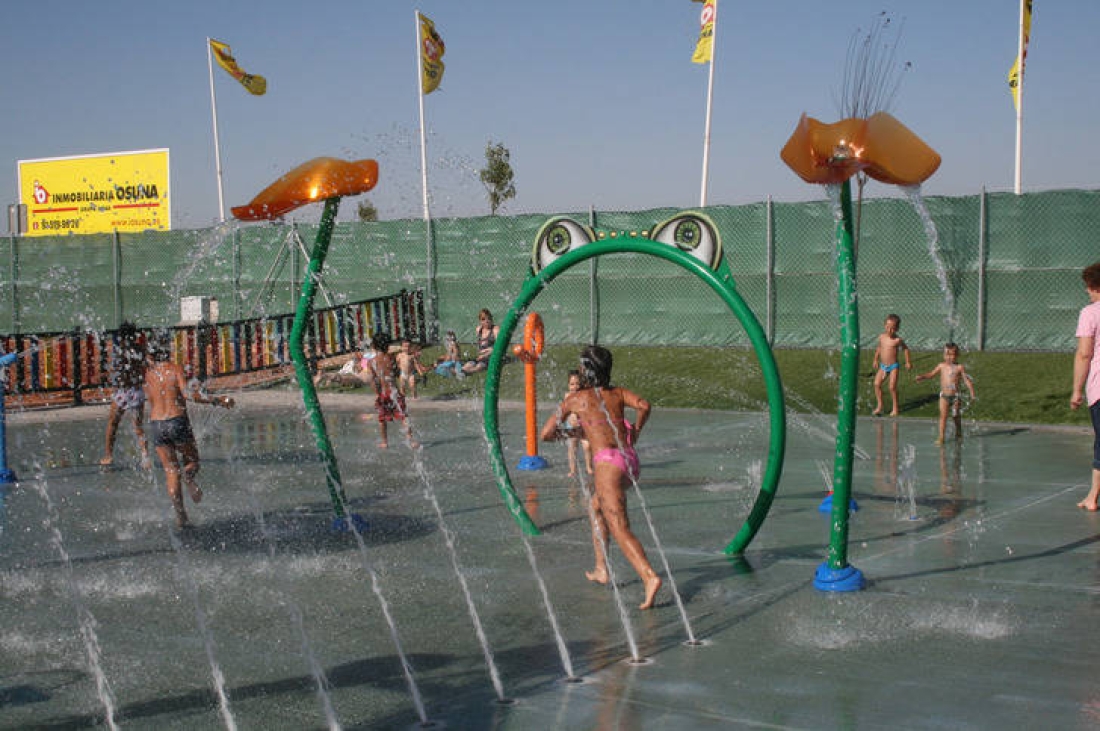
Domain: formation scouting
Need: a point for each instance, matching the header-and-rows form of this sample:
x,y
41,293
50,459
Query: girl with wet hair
x,y
599,410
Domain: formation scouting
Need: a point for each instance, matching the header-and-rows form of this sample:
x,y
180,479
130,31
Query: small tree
x,y
497,176
367,211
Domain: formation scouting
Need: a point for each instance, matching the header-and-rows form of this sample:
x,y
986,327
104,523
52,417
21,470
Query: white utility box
x,y
194,309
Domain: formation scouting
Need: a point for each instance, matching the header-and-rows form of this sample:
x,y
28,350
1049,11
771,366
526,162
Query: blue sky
x,y
597,100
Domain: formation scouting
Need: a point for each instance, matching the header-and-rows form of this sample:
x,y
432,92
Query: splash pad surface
x,y
982,581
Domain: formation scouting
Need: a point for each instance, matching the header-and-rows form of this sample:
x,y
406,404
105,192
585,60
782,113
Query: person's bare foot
x,y
1086,505
106,462
652,586
598,575
383,445
572,473
876,412
195,491
894,412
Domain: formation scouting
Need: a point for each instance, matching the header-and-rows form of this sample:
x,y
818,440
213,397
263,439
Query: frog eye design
x,y
557,238
694,234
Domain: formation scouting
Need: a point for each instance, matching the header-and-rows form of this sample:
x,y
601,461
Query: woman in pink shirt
x,y
1086,373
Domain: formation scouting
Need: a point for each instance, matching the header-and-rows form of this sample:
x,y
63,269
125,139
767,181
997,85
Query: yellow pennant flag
x,y
431,56
704,49
1017,70
255,84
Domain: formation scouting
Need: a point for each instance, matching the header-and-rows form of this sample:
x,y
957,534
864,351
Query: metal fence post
x,y
13,269
983,232
236,275
769,229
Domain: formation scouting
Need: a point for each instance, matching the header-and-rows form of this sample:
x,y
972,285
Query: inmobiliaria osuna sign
x,y
86,194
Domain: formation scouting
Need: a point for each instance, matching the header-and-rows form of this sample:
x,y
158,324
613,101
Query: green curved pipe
x,y
849,382
724,287
301,365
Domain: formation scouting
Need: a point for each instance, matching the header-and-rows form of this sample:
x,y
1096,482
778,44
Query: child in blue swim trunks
x,y
599,408
885,363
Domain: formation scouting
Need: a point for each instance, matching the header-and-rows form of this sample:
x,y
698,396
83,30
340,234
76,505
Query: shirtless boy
x,y
166,391
885,363
952,375
409,368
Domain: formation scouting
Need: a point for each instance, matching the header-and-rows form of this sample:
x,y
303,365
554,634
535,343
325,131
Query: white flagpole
x,y
420,99
217,144
1020,101
710,94
433,305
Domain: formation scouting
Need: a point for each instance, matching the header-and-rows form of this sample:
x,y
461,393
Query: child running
x,y
389,402
885,363
167,391
128,380
600,408
952,375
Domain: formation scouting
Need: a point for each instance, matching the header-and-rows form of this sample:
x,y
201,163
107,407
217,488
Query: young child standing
x,y
886,363
389,402
575,434
409,367
952,375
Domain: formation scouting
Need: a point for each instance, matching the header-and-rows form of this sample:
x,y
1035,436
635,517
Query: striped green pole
x,y
835,574
301,364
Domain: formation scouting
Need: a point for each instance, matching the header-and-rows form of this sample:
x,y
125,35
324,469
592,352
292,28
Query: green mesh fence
x,y
995,271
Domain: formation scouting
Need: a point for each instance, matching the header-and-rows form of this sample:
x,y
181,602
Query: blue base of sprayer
x,y
826,505
529,463
7,477
343,524
848,578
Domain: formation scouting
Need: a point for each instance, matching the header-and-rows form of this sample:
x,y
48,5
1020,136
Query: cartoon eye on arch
x,y
694,234
557,238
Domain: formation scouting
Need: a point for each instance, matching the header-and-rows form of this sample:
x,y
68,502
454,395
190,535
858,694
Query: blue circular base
x,y
848,578
7,477
341,525
532,463
826,505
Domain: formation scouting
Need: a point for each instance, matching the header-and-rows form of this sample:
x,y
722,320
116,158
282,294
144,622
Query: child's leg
x,y
571,452
878,392
112,431
1089,503
613,504
167,457
383,441
587,447
957,413
894,391
944,406
190,453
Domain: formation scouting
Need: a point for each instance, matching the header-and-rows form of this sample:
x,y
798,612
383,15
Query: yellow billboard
x,y
87,194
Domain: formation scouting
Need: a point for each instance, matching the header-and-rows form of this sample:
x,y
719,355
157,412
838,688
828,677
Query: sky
x,y
597,101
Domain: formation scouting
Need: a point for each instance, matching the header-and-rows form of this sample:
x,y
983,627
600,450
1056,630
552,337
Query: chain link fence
x,y
990,271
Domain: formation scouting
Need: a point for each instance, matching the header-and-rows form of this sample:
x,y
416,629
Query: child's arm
x,y
905,348
878,349
930,374
967,380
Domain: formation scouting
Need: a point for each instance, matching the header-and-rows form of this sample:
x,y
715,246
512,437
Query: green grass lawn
x,y
1013,387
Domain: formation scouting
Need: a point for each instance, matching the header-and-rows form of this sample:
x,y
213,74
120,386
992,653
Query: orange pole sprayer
x,y
529,351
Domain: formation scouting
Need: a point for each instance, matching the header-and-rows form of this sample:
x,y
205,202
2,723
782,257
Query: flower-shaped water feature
x,y
321,179
886,150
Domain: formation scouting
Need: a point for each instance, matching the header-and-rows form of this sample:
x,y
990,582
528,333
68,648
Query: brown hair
x,y
1091,275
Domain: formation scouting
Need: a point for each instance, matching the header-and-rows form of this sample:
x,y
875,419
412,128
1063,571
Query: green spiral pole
x,y
835,574
301,365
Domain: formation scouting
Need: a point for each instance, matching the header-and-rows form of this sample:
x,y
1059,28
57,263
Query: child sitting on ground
x,y
450,363
952,374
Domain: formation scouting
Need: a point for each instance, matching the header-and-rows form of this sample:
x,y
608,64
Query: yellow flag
x,y
1017,69
255,84
704,49
431,56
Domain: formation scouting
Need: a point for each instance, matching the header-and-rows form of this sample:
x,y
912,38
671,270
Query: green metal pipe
x,y
849,381
301,364
722,284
